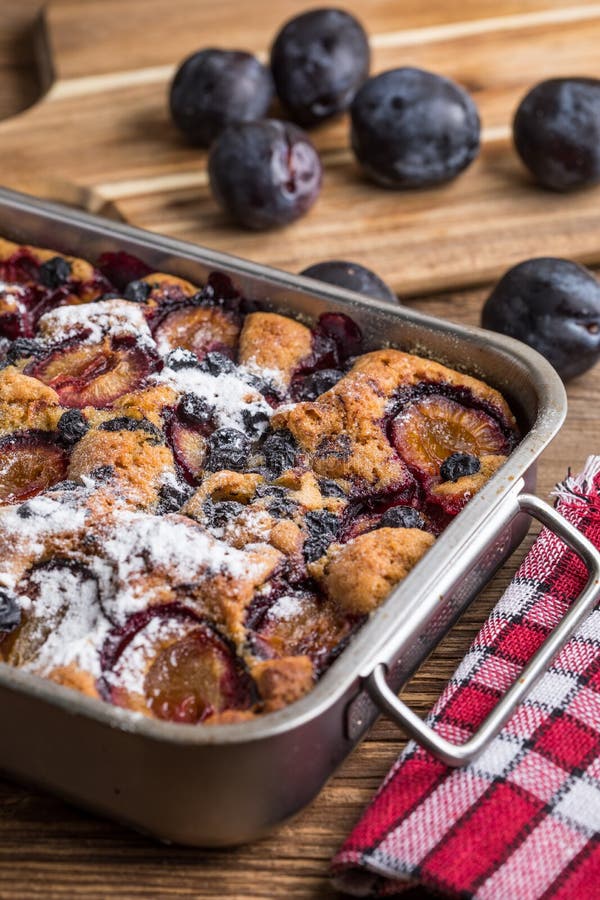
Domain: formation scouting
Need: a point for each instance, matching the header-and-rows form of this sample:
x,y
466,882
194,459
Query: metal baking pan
x,y
226,784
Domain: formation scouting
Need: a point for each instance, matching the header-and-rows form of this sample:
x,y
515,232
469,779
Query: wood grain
x,y
122,144
101,136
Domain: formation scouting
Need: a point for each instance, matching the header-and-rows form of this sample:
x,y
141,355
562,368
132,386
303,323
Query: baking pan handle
x,y
461,754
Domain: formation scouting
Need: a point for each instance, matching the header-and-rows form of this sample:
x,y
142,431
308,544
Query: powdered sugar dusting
x,y
229,393
286,607
66,619
29,524
115,318
275,377
170,545
131,669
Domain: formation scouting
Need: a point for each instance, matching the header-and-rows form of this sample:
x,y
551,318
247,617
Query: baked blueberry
x,y
352,277
171,498
317,383
556,131
264,174
458,465
195,410
72,426
126,423
255,422
281,451
319,60
10,611
323,528
215,88
55,272
137,291
103,474
228,448
330,488
180,358
220,513
413,129
22,347
279,502
216,363
401,517
554,306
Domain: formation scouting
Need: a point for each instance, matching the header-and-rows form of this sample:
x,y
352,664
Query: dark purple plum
x,y
193,672
345,334
216,88
554,306
181,359
126,423
120,268
319,60
413,129
32,462
264,174
556,131
220,513
351,276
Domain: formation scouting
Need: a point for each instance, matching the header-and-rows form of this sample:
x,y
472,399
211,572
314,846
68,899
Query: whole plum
x,y
554,306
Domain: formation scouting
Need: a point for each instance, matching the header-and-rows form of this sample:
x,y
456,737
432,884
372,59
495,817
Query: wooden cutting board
x,y
101,136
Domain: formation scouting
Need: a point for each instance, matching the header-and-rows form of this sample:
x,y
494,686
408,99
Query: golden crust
x,y
343,430
139,463
81,270
464,488
282,681
223,485
26,403
275,343
342,435
359,575
74,678
148,403
160,280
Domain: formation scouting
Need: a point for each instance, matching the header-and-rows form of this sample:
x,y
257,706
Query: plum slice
x,y
94,374
20,306
189,449
199,329
428,431
295,622
180,666
120,268
30,462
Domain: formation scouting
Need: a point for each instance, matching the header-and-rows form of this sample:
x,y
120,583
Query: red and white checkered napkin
x,y
523,820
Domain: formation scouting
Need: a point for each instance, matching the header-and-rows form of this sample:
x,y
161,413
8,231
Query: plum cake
x,y
201,501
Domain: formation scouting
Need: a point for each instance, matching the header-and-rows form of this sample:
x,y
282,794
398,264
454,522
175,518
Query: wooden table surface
x,y
49,849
